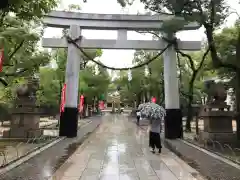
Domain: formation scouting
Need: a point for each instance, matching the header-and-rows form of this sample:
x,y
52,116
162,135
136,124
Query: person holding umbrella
x,y
155,113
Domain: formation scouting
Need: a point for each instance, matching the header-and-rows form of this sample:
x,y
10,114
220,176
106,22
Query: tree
x,y
211,14
195,65
21,54
187,76
26,9
48,91
226,42
141,88
19,35
93,84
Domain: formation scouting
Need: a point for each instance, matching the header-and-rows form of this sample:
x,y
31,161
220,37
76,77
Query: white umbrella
x,y
152,111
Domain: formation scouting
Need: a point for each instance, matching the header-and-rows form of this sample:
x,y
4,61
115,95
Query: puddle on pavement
x,y
11,150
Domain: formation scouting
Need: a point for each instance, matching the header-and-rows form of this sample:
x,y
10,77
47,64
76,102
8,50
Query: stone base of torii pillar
x,y
173,124
69,122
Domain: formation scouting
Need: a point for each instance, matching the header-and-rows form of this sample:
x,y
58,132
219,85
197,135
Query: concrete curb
x,y
29,155
203,161
225,160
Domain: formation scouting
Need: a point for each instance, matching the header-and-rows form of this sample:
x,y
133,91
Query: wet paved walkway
x,y
118,150
43,165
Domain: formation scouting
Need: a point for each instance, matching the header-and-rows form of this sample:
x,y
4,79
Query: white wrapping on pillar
x,y
72,69
171,79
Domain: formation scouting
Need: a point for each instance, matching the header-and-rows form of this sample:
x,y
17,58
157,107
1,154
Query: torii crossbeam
x,y
122,23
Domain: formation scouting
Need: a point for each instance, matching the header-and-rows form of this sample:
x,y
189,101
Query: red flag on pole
x,y
101,105
1,59
63,98
81,103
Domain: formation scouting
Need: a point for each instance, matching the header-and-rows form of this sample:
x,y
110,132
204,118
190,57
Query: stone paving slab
x,y
118,150
45,164
210,167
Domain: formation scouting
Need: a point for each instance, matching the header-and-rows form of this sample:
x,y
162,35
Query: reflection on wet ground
x,y
12,150
43,165
118,150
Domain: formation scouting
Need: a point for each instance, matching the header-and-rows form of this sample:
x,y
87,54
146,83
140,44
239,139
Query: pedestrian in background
x,y
138,116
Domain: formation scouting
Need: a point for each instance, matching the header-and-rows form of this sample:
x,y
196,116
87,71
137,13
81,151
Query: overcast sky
x,y
123,58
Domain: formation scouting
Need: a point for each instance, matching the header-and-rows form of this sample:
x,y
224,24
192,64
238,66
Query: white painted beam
x,y
122,35
121,44
63,19
115,17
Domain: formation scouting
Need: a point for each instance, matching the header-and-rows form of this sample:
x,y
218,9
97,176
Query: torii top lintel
x,y
63,19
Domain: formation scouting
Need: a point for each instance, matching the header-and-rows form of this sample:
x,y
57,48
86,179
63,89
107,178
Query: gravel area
x,y
208,166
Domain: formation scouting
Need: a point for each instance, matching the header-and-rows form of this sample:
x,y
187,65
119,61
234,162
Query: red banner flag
x,y
81,103
1,59
63,98
101,105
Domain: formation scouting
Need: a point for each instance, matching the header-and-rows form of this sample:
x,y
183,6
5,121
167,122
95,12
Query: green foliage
x,y
21,54
49,90
29,9
174,25
226,43
140,84
91,85
153,84
191,10
19,37
74,7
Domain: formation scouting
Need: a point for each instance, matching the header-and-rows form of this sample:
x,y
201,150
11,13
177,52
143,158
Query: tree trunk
x,y
146,95
138,99
190,101
189,110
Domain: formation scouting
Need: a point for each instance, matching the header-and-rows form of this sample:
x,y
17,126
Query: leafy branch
x,y
16,49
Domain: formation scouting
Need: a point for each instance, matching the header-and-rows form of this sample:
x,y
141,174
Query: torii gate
x,y
122,23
